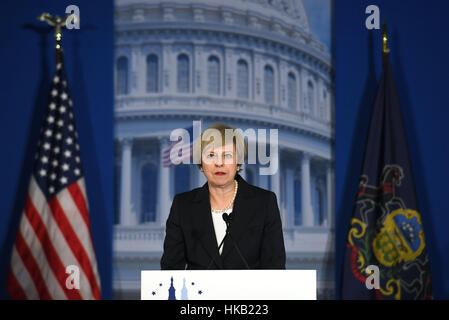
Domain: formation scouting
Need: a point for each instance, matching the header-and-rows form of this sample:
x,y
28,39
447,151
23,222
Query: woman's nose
x,y
219,160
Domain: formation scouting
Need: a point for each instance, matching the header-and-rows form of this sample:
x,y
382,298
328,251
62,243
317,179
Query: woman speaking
x,y
227,223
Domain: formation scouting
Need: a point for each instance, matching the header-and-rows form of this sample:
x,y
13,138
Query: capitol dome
x,y
247,63
289,13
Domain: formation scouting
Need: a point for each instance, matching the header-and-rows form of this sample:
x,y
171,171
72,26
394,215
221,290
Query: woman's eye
x,y
229,155
210,155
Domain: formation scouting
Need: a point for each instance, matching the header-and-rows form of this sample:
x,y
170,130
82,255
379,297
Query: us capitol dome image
x,y
249,64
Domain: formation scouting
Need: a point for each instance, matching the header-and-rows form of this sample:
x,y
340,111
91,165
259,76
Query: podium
x,y
228,285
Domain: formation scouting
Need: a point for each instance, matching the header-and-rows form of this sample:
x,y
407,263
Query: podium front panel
x,y
228,285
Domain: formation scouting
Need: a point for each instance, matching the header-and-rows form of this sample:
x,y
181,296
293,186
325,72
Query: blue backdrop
x,y
419,55
27,61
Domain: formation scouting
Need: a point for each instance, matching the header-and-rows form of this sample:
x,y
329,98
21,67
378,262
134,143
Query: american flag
x,y
184,150
54,231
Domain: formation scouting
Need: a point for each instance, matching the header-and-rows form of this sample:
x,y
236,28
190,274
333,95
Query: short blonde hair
x,y
207,137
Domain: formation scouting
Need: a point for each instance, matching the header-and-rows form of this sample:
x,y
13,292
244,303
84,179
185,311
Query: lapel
x,y
205,224
241,212
242,215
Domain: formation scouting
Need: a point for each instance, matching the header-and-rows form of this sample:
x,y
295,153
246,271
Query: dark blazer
x,y
190,241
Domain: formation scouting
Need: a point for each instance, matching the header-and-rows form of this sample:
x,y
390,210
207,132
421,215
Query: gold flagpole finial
x,y
385,48
58,23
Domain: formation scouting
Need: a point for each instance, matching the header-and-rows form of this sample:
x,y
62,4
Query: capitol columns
x,y
306,197
229,70
136,70
330,194
258,77
290,190
329,105
141,75
321,114
283,85
168,83
163,195
304,93
200,70
198,15
301,92
276,184
318,90
125,192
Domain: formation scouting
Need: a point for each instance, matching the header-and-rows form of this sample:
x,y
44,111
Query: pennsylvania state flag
x,y
386,229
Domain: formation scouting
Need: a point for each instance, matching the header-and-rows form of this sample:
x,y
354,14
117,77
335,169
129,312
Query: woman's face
x,y
219,164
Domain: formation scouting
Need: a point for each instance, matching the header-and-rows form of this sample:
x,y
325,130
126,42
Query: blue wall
x,y
419,55
27,64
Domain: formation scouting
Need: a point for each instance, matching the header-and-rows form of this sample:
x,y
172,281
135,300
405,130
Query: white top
x,y
220,226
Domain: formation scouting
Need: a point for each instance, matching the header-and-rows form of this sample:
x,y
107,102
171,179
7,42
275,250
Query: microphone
x,y
228,218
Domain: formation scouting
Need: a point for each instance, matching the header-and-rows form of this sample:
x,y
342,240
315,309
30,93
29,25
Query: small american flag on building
x,y
184,150
54,231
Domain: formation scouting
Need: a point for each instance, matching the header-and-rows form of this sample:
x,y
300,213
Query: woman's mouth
x,y
220,173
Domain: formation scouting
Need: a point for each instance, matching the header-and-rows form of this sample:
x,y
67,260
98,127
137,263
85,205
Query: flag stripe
x,y
74,244
14,288
82,204
38,253
78,199
85,206
32,267
50,252
65,253
67,201
20,285
82,186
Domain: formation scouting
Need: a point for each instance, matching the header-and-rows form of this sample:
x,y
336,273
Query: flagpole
x,y
385,48
58,23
